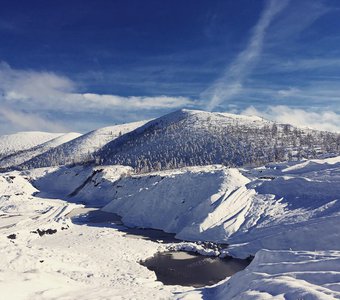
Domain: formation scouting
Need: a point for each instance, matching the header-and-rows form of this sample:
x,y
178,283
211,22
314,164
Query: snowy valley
x,y
252,189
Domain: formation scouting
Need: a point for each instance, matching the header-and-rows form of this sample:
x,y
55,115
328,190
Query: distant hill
x,y
24,140
188,138
22,156
81,149
182,138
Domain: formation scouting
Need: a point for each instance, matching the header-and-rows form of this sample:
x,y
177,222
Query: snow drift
x,y
188,202
94,186
281,275
273,209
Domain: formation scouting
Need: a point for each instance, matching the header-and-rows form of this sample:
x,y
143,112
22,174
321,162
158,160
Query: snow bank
x,y
314,165
284,275
86,184
297,208
192,202
275,210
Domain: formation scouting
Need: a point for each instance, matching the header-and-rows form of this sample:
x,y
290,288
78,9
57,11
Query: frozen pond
x,y
189,269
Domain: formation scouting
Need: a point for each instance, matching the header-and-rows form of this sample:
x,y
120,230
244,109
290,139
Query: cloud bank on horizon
x,y
273,73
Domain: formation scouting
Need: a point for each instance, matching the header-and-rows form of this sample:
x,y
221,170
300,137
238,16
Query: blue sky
x,y
79,65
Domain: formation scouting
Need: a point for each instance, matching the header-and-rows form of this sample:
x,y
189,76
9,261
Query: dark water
x,y
94,216
189,269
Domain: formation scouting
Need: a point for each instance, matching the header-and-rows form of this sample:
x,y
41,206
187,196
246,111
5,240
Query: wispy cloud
x,y
320,94
19,120
26,96
230,84
321,120
299,17
45,90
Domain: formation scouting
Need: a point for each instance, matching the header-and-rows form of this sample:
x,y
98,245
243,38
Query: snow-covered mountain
x,y
24,140
189,138
183,138
80,149
22,156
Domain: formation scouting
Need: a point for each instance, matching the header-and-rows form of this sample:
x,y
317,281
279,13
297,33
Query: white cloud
x,y
28,121
21,85
48,91
231,82
321,120
133,102
298,17
26,96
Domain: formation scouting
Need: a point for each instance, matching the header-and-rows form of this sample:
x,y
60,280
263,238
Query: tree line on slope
x,y
178,145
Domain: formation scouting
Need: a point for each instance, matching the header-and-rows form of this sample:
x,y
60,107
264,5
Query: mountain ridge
x,y
191,137
187,138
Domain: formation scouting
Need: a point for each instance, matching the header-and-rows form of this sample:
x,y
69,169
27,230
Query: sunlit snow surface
x,y
77,262
24,155
291,210
24,140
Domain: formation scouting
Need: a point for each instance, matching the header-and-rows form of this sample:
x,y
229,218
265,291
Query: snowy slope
x,y
273,209
187,138
75,262
281,275
185,202
20,157
290,209
296,208
24,140
93,186
80,149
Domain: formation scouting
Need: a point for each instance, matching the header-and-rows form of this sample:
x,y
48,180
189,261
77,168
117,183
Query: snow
x,y
245,118
69,182
290,209
81,148
191,138
24,140
286,215
93,262
281,275
77,262
20,157
314,165
188,202
273,210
